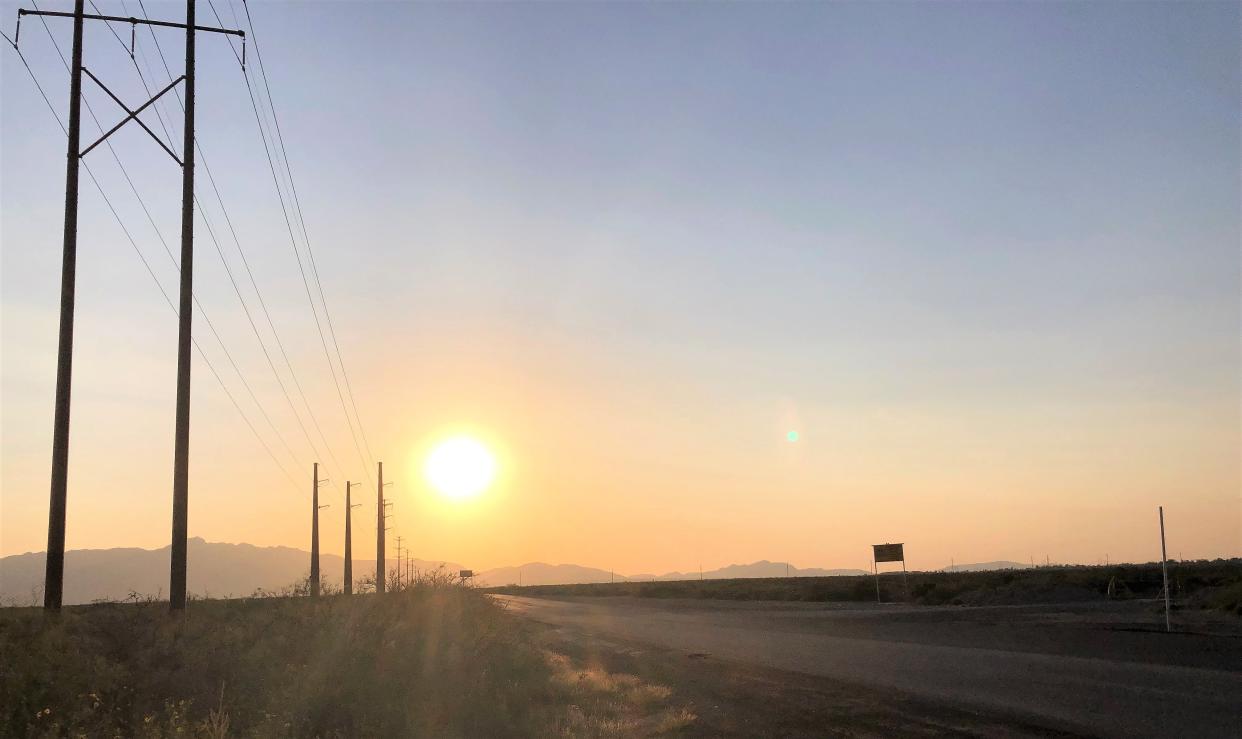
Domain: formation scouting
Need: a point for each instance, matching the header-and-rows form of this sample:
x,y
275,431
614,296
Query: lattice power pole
x,y
314,568
53,588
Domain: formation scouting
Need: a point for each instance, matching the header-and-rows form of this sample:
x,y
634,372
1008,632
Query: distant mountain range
x,y
762,568
539,573
222,570
215,570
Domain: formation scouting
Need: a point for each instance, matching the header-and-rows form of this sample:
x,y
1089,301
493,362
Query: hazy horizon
x,y
982,259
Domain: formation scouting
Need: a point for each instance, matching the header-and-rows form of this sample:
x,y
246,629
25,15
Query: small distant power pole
x,y
1164,566
349,549
314,568
380,515
399,563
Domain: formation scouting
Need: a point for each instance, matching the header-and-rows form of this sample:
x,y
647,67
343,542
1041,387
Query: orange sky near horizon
x,y
597,470
982,257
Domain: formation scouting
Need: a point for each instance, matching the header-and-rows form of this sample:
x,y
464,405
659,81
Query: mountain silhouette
x,y
220,570
215,570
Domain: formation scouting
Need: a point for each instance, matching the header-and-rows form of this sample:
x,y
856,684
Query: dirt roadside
x,y
731,699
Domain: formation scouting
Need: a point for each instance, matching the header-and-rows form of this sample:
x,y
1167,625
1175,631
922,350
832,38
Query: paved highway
x,y
1024,662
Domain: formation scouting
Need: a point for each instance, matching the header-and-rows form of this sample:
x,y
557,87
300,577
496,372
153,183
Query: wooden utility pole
x,y
379,532
314,567
181,449
400,564
349,549
53,589
53,582
181,445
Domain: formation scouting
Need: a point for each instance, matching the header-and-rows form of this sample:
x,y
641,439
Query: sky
x,y
982,257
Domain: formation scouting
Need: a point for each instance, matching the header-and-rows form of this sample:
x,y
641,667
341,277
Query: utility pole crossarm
x,y
130,20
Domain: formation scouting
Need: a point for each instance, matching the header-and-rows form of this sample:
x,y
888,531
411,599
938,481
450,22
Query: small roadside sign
x,y
889,552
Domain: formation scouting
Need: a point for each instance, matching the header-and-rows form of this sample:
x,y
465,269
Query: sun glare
x,y
460,468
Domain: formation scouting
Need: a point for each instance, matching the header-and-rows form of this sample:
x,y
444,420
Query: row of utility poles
x,y
380,527
53,589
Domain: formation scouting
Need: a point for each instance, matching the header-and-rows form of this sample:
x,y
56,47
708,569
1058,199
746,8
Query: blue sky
x,y
1014,226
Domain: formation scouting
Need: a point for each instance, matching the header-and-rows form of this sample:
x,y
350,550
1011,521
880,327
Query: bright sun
x,y
460,468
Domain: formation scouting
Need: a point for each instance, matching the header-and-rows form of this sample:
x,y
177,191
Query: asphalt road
x,y
1070,669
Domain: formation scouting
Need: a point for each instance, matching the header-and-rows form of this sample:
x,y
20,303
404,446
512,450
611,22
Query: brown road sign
x,y
889,552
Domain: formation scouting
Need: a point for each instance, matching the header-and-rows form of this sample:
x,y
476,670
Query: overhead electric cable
x,y
306,238
271,324
203,355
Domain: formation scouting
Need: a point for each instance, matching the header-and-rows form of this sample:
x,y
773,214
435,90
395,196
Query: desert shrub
x,y
1226,598
1191,581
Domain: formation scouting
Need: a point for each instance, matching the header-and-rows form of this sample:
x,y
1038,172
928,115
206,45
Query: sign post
x,y
888,553
1164,566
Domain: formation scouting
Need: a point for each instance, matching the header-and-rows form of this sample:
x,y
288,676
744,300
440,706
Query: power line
x,y
147,265
297,257
258,292
202,214
211,232
306,238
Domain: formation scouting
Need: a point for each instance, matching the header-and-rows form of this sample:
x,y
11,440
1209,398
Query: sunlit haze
x,y
645,287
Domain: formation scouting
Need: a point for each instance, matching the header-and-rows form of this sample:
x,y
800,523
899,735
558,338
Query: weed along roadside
x,y
432,660
1211,585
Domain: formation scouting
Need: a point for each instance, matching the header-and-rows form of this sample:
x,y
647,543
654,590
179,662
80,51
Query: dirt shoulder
x,y
722,698
1128,631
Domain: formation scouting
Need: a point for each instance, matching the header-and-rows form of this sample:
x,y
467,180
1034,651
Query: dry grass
x,y
432,661
610,704
1208,584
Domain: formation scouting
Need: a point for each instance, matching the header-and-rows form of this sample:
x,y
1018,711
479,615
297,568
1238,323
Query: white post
x,y
1164,566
